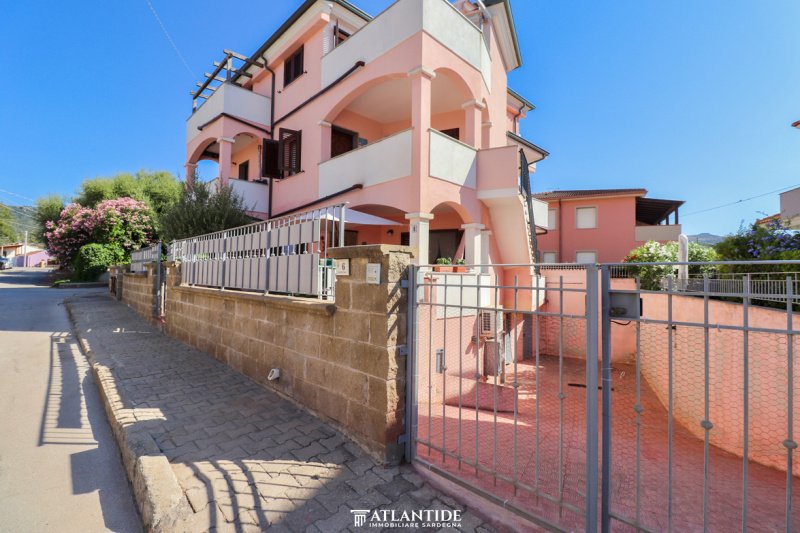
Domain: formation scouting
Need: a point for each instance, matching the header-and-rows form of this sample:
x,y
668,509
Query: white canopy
x,y
358,218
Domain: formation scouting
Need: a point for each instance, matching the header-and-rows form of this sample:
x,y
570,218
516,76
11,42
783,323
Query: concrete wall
x,y
341,360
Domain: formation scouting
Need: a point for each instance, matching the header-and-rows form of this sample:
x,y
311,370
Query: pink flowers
x,y
122,221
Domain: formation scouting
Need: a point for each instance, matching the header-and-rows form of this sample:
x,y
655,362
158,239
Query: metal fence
x,y
763,286
581,401
286,255
140,257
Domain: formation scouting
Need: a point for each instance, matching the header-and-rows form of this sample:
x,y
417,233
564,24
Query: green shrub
x,y
654,252
94,259
203,209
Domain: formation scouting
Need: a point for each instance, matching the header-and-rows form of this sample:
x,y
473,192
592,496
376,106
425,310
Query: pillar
x,y
485,236
421,78
419,235
191,168
473,244
325,140
473,114
225,159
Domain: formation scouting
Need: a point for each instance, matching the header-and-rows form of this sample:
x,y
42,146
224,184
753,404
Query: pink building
x,y
604,225
406,116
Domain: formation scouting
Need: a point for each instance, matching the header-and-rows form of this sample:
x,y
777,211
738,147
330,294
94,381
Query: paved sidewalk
x,y
245,458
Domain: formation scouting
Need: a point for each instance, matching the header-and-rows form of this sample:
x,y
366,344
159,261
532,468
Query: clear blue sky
x,y
691,100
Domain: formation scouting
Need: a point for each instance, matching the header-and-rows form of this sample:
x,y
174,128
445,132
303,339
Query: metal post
x,y
591,397
605,492
411,353
157,303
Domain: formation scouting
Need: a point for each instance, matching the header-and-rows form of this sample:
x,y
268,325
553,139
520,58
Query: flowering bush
x,y
654,252
124,222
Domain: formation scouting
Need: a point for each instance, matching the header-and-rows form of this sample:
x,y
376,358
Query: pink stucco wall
x,y
612,239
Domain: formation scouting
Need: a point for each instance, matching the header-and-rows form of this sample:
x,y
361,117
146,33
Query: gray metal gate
x,y
664,407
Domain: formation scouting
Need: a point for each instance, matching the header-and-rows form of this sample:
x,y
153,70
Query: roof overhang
x,y
518,102
503,22
532,152
654,211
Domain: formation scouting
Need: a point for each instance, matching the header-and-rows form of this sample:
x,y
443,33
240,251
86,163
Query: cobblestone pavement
x,y
245,458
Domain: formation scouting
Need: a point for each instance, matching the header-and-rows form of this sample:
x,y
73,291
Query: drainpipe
x,y
271,131
560,232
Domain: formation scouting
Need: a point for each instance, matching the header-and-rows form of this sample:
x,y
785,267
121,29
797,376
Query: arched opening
x,y
446,238
387,226
243,161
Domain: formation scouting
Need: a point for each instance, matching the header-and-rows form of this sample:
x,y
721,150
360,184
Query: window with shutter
x,y
270,164
586,217
293,67
290,153
244,170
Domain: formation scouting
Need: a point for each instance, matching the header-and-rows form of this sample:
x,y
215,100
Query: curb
x,y
161,501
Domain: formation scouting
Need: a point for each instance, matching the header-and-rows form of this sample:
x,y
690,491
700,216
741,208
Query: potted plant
x,y
459,266
443,264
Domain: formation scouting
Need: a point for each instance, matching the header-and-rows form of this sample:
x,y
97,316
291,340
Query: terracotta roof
x,y
770,218
584,193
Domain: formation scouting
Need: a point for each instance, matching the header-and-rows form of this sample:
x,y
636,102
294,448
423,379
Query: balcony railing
x,y
403,19
231,100
379,162
658,233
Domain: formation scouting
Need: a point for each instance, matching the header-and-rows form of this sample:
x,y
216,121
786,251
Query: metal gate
x,y
644,402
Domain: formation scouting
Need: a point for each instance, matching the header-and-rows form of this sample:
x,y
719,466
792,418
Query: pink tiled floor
x,y
499,441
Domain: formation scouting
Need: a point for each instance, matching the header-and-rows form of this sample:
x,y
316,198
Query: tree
x,y
7,232
48,209
772,241
202,210
160,190
123,222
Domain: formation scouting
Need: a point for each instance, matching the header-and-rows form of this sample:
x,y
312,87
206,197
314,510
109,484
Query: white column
x,y
473,134
472,243
485,235
419,231
225,159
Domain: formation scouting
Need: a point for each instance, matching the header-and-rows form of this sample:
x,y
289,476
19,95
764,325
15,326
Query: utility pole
x,y
25,252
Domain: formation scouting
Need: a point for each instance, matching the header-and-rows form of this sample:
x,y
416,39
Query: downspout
x,y
560,233
271,131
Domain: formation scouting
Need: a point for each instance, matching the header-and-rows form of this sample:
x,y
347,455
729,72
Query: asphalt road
x,y
60,468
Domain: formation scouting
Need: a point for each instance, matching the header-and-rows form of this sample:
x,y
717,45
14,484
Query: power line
x,y
169,38
17,195
782,189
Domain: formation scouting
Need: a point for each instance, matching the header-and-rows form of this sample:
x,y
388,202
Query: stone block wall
x,y
342,360
139,291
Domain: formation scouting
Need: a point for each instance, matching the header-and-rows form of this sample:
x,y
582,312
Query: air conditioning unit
x,y
488,323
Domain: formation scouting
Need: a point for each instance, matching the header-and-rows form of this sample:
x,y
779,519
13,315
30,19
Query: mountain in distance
x,y
707,239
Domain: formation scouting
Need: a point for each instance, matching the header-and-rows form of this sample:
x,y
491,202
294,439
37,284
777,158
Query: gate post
x,y
605,490
411,366
592,323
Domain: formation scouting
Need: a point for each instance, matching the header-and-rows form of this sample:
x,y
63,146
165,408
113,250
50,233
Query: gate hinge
x,y
402,350
403,283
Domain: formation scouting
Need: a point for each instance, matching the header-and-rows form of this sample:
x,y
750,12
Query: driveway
x,y
60,468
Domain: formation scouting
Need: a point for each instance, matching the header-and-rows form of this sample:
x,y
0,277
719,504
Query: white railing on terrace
x,y
766,286
139,257
286,255
438,18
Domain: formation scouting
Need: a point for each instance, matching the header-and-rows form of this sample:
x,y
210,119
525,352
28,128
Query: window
x,y
552,219
342,141
549,257
244,170
289,150
293,67
585,257
339,36
452,132
586,217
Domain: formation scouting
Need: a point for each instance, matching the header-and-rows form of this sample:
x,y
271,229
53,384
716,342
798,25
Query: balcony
x,y
254,194
385,160
452,160
399,22
660,233
231,100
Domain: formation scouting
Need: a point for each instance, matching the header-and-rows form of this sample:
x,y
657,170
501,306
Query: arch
x,y
452,78
450,213
359,91
200,150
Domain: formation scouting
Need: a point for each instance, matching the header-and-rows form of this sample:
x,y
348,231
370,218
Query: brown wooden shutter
x,y
270,167
290,154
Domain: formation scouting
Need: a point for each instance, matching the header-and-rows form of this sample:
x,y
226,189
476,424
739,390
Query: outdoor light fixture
x,y
390,232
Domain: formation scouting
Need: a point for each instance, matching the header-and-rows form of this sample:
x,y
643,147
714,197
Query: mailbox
x,y
624,305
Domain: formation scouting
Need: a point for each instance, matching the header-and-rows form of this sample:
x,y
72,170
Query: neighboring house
x,y
790,208
603,225
11,250
36,257
406,116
